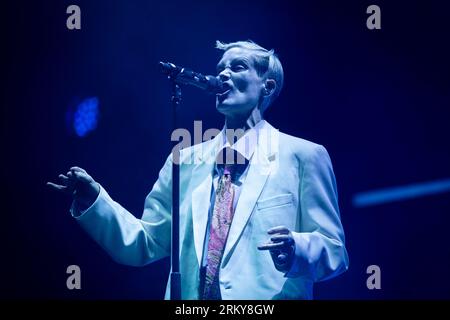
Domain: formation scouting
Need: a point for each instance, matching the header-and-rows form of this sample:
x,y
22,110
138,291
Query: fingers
x,y
278,229
70,175
77,169
69,180
64,179
281,239
58,187
281,247
82,176
272,246
77,174
286,238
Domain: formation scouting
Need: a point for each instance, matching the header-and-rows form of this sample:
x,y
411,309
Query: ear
x,y
269,87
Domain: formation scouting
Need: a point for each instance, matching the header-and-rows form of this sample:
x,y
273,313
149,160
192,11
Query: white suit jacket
x,y
290,182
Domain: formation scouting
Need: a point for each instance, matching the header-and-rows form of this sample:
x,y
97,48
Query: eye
x,y
239,67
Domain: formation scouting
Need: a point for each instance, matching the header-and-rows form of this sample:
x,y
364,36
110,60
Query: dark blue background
x,y
377,100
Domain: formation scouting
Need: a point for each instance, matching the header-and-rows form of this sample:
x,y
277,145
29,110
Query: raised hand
x,y
78,184
281,247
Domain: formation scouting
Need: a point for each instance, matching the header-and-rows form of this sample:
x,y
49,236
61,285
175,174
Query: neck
x,y
243,123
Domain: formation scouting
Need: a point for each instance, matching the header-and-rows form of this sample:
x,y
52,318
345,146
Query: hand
x,y
281,247
80,185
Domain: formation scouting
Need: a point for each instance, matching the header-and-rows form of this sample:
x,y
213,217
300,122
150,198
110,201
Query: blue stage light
x,y
381,196
85,117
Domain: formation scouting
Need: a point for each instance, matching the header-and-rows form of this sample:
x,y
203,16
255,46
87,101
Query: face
x,y
241,81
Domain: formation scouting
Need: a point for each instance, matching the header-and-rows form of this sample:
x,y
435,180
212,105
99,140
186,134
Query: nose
x,y
224,75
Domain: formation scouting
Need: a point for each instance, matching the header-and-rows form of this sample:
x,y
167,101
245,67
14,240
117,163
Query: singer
x,y
259,215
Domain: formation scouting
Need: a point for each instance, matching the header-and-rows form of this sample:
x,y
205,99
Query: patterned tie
x,y
220,224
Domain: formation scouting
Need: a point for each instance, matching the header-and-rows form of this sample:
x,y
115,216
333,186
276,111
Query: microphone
x,y
182,75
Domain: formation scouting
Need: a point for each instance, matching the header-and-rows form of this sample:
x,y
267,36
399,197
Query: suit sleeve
x,y
320,251
127,239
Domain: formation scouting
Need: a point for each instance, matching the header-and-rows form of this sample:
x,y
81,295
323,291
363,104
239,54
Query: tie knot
x,y
228,169
230,162
230,157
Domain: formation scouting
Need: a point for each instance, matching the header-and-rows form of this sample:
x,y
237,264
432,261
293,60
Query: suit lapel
x,y
261,165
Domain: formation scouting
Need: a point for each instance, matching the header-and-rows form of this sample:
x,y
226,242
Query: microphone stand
x,y
175,275
176,76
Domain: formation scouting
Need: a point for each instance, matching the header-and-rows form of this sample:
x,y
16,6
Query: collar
x,y
246,140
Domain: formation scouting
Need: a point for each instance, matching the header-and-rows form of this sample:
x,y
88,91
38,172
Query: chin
x,y
222,111
223,107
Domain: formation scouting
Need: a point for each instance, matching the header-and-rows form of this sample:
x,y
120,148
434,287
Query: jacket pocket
x,y
276,201
274,211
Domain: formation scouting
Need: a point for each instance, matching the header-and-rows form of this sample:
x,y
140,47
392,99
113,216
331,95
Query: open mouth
x,y
226,88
